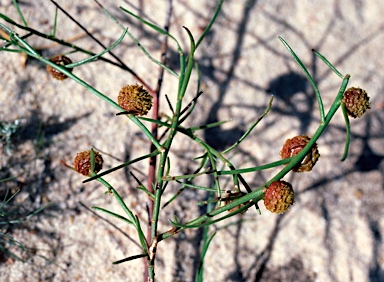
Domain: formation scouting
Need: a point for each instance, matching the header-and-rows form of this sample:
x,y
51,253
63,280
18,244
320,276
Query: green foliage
x,y
11,215
210,159
7,130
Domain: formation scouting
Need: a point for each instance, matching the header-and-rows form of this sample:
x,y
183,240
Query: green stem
x,y
258,194
319,131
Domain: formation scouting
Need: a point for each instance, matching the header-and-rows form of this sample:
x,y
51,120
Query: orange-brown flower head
x,y
279,196
60,60
293,146
82,162
356,102
135,99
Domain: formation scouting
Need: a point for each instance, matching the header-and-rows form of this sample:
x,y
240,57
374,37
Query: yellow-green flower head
x,y
279,196
356,102
60,60
135,99
82,162
293,146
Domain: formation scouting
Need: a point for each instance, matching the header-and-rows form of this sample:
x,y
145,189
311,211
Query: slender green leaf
x,y
5,200
53,34
210,221
155,27
298,61
131,217
206,202
142,186
145,190
203,162
10,50
114,215
198,187
20,220
16,4
187,131
95,57
190,64
92,158
209,26
210,125
170,178
257,168
328,63
190,107
109,15
214,168
152,58
154,153
169,104
130,258
143,240
230,172
250,128
207,242
348,132
7,179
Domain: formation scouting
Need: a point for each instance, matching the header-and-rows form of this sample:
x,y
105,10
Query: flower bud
x,y
60,60
356,102
279,196
293,146
82,162
135,99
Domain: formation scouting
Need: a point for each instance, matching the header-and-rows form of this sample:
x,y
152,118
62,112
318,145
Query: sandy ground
x,y
335,230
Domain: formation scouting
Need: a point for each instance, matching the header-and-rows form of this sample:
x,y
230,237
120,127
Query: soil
x,y
334,232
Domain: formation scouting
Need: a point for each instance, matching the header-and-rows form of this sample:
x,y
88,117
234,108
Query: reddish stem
x,y
151,180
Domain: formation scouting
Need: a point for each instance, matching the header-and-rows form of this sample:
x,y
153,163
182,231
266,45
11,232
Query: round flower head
x,y
82,162
279,196
135,99
356,101
60,60
293,146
